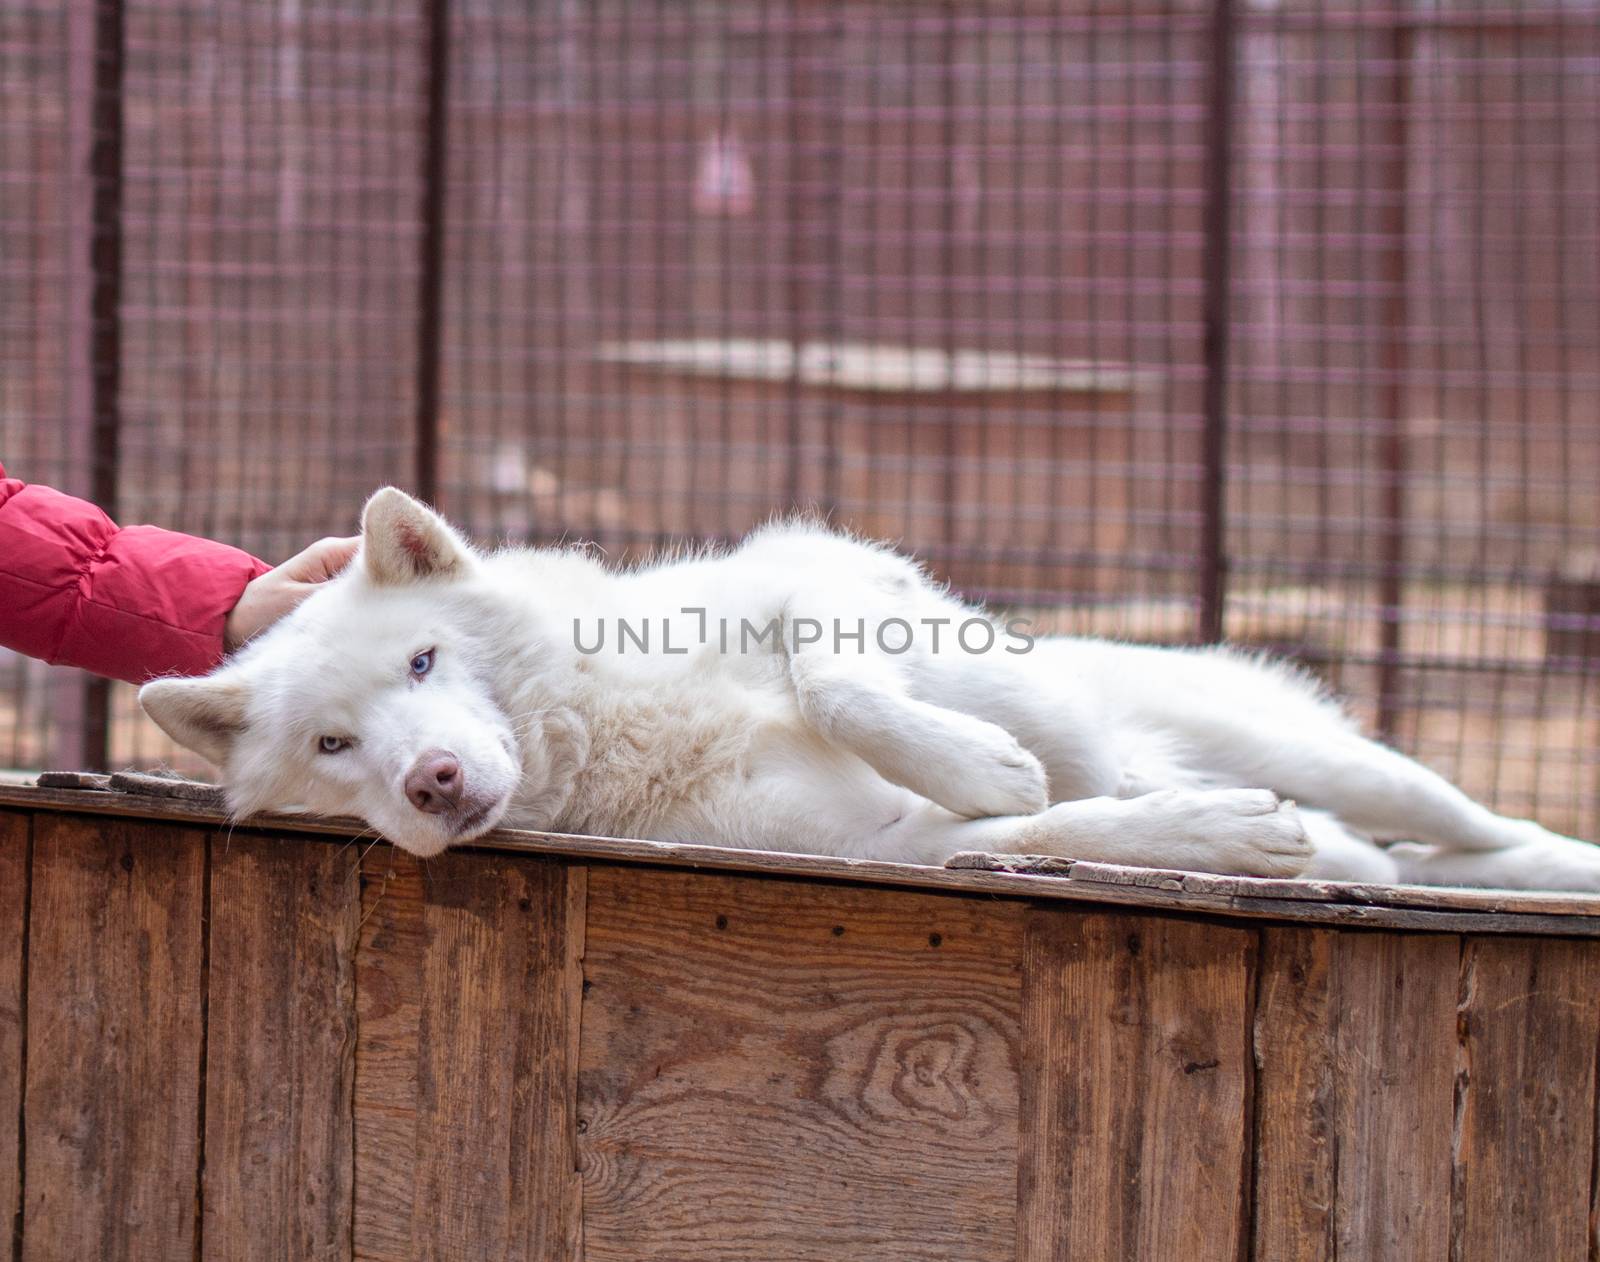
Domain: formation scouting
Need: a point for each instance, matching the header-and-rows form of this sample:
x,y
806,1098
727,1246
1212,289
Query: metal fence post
x,y
96,48
1393,364
430,278
1216,282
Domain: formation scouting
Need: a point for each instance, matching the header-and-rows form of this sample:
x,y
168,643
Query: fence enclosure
x,y
1157,318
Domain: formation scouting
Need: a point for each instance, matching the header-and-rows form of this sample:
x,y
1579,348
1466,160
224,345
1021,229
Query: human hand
x,y
275,593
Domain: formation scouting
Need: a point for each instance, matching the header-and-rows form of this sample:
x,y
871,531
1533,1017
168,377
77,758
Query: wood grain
x,y
14,832
467,982
495,1169
1355,1048
1135,1087
780,1069
1296,1135
1395,1017
388,1011
114,1039
280,1049
1530,1027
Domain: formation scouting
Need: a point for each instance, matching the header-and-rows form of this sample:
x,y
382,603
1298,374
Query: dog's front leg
x,y
970,767
1235,832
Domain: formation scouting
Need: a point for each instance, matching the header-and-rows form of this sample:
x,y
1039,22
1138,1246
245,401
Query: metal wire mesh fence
x,y
1166,319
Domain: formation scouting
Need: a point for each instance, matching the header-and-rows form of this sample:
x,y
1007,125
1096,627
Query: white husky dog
x,y
805,691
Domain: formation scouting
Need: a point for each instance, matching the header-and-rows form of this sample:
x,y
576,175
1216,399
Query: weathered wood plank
x,y
1259,889
13,921
1135,1088
389,1008
1387,907
140,784
1355,1048
1395,1107
495,1170
467,982
1530,1028
280,1049
73,780
780,1069
1295,1129
114,1034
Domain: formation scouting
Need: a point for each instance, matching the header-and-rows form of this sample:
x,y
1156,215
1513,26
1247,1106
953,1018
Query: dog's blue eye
x,y
332,744
422,663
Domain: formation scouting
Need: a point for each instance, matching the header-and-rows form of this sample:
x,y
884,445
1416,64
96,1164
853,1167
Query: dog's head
x,y
372,698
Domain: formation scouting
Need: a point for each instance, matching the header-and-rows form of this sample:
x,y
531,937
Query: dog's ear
x,y
403,540
205,715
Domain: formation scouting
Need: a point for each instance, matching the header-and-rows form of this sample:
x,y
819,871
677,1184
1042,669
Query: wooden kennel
x,y
271,1042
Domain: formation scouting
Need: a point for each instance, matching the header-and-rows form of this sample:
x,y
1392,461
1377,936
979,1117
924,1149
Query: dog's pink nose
x,y
436,782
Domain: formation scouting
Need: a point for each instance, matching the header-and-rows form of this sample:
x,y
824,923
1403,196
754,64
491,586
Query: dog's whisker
x,y
352,840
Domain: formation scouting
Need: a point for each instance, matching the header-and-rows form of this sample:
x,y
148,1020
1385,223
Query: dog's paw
x,y
1248,832
994,776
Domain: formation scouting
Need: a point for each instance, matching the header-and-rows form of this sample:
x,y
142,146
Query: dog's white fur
x,y
1095,750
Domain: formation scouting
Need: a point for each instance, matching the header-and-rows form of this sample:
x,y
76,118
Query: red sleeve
x,y
131,602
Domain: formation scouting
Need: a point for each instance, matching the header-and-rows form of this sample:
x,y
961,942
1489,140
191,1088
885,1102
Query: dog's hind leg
x,y
1370,787
1560,863
1377,791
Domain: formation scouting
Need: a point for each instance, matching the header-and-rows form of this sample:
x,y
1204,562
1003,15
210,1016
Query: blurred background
x,y
1161,319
